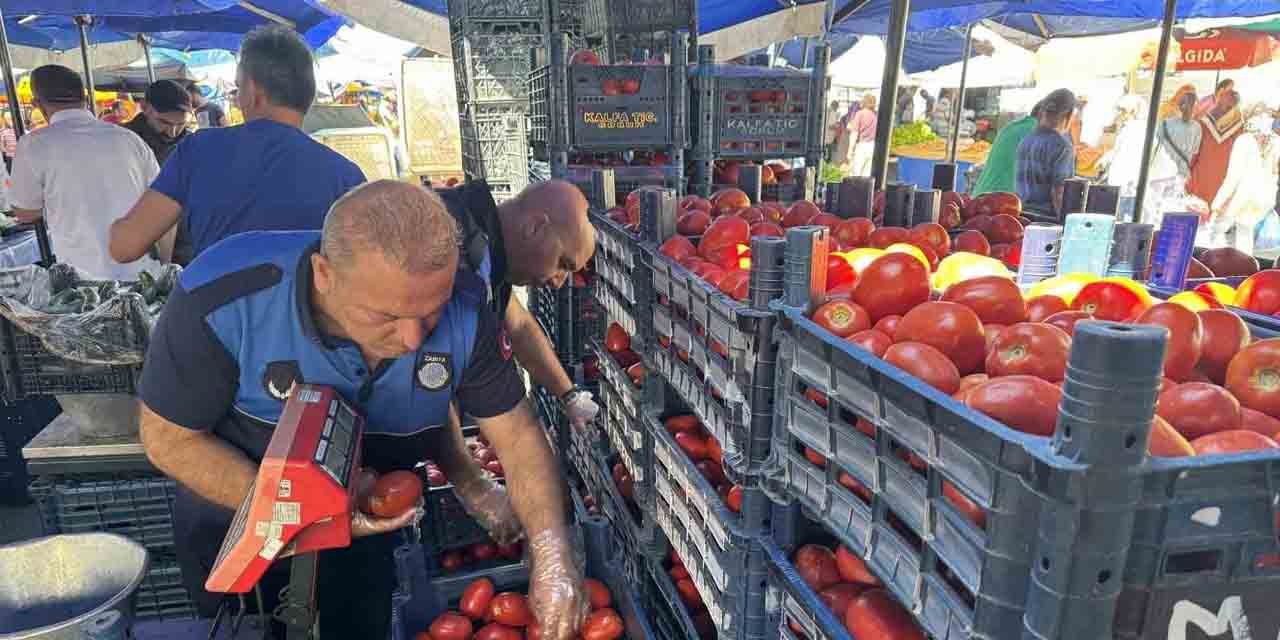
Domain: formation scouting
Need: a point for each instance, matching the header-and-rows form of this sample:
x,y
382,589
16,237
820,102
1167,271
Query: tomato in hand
x,y
842,318
1024,403
511,609
927,363
1232,442
1166,442
853,569
1260,292
871,340
1066,320
817,566
1030,348
1108,299
1254,376
951,328
393,494
1040,308
1225,334
892,284
996,299
838,596
875,615
450,626
1186,336
602,624
1197,409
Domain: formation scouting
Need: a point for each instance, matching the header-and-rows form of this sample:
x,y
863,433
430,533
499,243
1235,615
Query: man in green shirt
x,y
998,174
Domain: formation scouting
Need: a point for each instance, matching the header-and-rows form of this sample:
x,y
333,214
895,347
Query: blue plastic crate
x,y
671,617
1195,529
162,594
797,606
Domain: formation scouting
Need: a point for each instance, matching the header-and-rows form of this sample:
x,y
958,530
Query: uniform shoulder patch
x,y
280,378
435,371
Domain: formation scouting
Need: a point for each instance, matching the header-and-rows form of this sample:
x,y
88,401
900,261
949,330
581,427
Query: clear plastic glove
x,y
581,409
488,502
556,592
363,524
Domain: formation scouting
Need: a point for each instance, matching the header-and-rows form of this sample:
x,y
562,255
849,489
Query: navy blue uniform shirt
x,y
258,176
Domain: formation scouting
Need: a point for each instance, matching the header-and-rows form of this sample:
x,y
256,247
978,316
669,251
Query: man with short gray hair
x,y
376,307
264,175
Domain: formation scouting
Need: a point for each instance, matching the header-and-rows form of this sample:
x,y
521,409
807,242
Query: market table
x,y
919,171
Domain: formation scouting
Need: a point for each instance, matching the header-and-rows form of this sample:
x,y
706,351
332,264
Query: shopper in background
x,y
8,140
79,174
1219,130
862,132
1001,168
1046,158
1124,162
208,114
116,114
164,119
265,175
1210,101
834,130
1177,142
1245,194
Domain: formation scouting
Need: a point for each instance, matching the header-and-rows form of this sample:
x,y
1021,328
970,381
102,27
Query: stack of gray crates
x,y
492,42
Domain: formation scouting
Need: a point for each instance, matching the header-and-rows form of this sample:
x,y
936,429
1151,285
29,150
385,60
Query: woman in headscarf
x,y
1219,130
1126,156
1177,142
1210,101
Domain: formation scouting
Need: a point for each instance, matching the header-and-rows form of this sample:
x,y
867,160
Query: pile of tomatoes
x,y
479,553
776,172
854,594
618,343
689,596
483,614
707,456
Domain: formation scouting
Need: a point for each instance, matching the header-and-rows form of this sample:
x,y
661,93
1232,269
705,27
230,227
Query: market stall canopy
x,y
1226,48
861,67
924,52
1004,65
225,28
134,79
112,7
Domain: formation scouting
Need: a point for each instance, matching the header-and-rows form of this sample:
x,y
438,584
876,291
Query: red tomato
x,y
692,445
815,458
1109,301
854,486
871,340
1166,442
637,373
393,494
753,215
838,596
927,363
436,478
884,236
1066,320
892,284
726,231
816,398
1254,376
932,234
511,551
734,499
676,424
949,216
451,561
584,56
694,202
1186,337
729,201
689,593
854,232
1225,262
888,325
1232,442
714,452
953,329
1225,334
842,318
496,631
1004,229
1260,292
800,214
602,624
766,230
853,569
616,338
992,332
1030,348
736,285
476,597
816,566
1259,422
972,242
967,508
678,248
972,380
840,273
597,593
482,551
1199,408
1040,308
678,572
693,223
827,220
710,470
450,626
1024,403
626,359
511,609
875,615
1196,270
995,299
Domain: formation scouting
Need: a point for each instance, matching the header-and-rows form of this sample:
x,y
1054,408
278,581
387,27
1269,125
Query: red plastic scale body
x,y
300,501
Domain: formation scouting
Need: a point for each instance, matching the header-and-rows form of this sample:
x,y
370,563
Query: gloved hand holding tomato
x,y
386,503
556,592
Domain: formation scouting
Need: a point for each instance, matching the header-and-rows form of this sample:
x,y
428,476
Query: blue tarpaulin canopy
x,y
925,51
111,7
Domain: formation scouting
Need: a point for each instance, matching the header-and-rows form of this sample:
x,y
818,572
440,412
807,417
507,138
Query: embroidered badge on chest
x,y
435,371
280,377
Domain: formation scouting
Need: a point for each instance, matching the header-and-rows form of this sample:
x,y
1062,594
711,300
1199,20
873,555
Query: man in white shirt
x,y
80,174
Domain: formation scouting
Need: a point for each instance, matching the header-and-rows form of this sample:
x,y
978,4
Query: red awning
x,y
1226,48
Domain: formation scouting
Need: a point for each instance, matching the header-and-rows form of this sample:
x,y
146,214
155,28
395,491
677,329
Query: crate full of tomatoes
x,y
779,182
1048,458
1228,277
747,111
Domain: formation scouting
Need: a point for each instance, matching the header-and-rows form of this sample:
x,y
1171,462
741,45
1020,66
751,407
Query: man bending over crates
x,y
537,239
375,306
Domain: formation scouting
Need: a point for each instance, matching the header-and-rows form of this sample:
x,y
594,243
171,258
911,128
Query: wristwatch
x,y
571,394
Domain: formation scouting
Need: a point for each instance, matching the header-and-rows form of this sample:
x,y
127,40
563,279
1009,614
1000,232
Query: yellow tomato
x,y
962,266
1225,294
910,249
860,258
1065,286
1195,301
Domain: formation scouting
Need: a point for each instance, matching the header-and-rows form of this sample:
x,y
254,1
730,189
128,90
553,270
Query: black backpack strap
x,y
465,203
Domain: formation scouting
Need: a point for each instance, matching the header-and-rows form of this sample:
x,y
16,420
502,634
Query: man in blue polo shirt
x,y
376,307
265,175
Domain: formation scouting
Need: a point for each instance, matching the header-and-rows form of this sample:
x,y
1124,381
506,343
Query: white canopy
x,y
862,66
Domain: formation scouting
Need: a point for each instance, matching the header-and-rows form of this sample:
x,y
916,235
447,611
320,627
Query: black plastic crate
x,y
749,111
625,106
162,594
30,369
466,16
447,525
625,180
570,316
639,16
1084,536
138,506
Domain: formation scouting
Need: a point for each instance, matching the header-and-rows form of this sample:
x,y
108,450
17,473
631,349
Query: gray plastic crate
x,y
797,604
138,506
626,106
494,146
755,111
605,17
486,15
1084,536
30,369
162,594
494,68
626,179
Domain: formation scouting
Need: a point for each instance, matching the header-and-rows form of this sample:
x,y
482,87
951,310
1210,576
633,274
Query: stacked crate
x,y
637,30
492,44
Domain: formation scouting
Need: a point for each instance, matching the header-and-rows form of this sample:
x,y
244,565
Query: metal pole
x,y
146,53
83,22
19,130
894,44
1153,108
954,143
